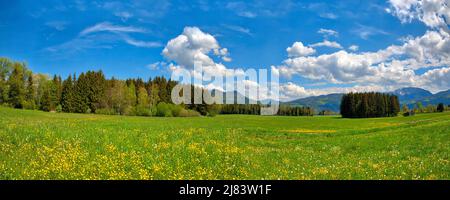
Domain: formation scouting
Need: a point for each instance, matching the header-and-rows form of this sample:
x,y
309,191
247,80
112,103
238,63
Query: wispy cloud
x,y
327,43
103,35
365,32
139,43
252,9
106,26
238,29
80,44
328,15
322,10
58,25
143,10
241,9
328,32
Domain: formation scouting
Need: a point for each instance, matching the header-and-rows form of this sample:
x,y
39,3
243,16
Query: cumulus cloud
x,y
193,45
433,13
298,49
436,79
393,66
291,91
327,43
383,70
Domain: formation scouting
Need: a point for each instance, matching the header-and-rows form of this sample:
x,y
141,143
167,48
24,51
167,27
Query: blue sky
x,y
53,36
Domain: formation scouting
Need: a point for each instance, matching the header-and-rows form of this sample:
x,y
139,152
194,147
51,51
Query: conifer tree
x,y
16,83
440,107
67,95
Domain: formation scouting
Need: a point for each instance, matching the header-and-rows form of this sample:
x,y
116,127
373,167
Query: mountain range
x,y
409,96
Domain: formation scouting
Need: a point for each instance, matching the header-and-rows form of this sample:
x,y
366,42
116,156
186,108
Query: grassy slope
x,y
39,145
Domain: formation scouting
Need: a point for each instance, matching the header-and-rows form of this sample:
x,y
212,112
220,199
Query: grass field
x,y
40,145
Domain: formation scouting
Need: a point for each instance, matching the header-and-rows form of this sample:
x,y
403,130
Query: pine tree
x,y
16,83
96,89
67,95
369,105
81,92
57,90
47,100
440,107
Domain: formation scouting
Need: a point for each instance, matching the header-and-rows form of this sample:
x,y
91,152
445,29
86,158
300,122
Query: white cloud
x,y
327,43
139,43
90,38
142,10
252,9
298,49
291,91
365,32
393,66
353,48
106,26
156,65
433,13
328,32
76,45
436,79
238,29
193,45
121,32
241,9
226,59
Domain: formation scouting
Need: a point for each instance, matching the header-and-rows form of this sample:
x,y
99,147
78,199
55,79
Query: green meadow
x,y
42,145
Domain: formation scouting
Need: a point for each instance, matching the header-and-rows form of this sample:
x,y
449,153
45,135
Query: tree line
x,y
369,104
91,92
255,109
419,108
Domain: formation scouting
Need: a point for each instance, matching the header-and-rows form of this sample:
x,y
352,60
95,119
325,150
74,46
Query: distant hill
x,y
409,96
440,97
322,102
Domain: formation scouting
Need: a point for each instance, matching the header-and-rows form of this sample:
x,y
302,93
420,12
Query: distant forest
x,y
91,92
369,104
